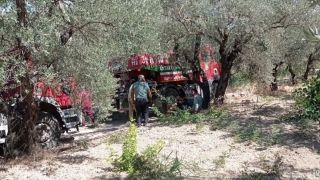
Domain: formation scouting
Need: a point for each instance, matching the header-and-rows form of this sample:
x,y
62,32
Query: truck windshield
x,y
205,56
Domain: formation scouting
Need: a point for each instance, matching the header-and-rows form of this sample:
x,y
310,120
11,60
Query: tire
x,y
214,89
2,150
47,130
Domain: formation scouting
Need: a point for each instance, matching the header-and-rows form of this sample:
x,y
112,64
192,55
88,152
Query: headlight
x,y
3,120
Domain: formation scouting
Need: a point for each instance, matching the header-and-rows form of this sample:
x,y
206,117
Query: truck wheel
x,y
170,94
47,130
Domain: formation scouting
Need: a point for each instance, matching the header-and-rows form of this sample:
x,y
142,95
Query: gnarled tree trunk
x,y
29,106
293,75
226,60
311,59
274,84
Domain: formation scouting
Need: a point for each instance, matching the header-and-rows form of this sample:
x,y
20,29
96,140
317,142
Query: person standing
x,y
139,96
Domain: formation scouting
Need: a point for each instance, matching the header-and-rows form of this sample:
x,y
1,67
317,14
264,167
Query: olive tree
x,y
249,32
63,38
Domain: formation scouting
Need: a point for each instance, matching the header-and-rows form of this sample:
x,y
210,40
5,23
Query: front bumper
x,y
3,133
71,117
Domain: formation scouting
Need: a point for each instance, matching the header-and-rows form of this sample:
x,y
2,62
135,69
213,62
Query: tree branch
x,y
95,22
5,40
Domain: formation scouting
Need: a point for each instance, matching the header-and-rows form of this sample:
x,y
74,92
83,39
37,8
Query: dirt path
x,y
206,154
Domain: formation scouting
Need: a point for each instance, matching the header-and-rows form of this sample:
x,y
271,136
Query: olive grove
x,y
250,36
67,38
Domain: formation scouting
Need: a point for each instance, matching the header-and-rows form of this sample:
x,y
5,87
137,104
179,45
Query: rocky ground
x,y
205,153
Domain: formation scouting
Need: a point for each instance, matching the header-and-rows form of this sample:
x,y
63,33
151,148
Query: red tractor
x,y
57,113
164,78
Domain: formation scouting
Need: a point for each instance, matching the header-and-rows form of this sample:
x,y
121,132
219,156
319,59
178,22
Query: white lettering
x,y
151,61
134,61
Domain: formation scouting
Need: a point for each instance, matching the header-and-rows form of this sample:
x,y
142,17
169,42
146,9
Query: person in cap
x,y
141,96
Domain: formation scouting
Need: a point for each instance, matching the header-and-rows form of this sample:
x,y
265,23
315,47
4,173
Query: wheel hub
x,y
43,132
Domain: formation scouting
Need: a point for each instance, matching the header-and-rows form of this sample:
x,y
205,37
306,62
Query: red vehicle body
x,y
164,77
57,112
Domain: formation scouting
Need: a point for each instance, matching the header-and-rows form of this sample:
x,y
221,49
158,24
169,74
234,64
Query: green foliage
x,y
239,79
179,116
308,100
84,143
273,137
221,160
145,165
220,119
129,148
312,35
149,165
249,132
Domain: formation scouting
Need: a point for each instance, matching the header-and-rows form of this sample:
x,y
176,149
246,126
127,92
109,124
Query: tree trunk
x,y
293,75
197,71
274,84
21,12
224,80
226,62
309,66
29,106
196,67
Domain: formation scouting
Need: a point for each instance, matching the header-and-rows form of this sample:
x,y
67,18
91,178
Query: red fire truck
x,y
57,113
164,77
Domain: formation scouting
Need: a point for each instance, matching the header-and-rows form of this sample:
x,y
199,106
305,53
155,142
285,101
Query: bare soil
x,y
205,153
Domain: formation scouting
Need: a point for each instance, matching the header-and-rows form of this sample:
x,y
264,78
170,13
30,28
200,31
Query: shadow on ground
x,y
267,126
75,159
113,124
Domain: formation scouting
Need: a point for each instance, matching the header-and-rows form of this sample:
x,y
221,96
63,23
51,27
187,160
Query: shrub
x,y
147,164
179,116
129,148
308,100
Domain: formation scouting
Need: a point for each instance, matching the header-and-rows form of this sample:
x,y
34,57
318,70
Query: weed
x,y
247,133
272,170
219,123
199,126
116,138
276,167
51,161
274,135
221,160
144,165
179,117
84,143
125,161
